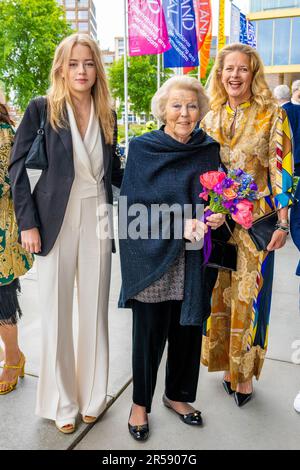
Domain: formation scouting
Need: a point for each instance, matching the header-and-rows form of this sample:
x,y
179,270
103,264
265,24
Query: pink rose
x,y
211,178
204,195
244,214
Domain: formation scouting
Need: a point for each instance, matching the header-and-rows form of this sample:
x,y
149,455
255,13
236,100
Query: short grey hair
x,y
183,82
282,92
296,85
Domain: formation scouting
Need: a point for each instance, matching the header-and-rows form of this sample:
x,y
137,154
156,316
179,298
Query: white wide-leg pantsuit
x,y
74,379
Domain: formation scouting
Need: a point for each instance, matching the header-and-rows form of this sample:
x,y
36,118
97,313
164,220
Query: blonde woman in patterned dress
x,y
254,135
14,262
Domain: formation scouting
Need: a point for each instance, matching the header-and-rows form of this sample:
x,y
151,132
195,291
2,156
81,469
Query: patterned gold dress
x,y
236,334
14,260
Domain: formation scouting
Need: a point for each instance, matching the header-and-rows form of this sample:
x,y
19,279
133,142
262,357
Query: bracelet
x,y
283,228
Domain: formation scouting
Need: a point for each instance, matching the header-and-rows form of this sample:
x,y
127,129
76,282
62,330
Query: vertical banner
x,y
205,52
235,24
243,29
203,18
147,28
251,34
221,28
181,23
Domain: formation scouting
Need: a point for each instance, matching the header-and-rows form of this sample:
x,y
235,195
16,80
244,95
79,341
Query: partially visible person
x,y
253,133
295,233
282,94
296,92
14,262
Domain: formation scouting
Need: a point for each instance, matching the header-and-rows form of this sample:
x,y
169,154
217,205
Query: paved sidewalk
x,y
267,422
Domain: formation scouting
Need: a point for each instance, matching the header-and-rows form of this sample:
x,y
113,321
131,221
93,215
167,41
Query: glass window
x,y
83,3
74,26
295,49
282,41
70,3
83,26
83,15
71,15
265,40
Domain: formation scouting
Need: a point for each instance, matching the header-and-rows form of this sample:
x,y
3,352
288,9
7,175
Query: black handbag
x,y
262,230
37,158
223,254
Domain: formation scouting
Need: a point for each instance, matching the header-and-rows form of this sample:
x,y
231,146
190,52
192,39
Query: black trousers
x,y
297,169
153,325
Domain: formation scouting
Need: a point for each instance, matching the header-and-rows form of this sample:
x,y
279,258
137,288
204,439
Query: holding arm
x,y
281,171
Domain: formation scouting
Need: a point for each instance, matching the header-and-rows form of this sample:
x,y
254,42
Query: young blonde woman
x,y
59,222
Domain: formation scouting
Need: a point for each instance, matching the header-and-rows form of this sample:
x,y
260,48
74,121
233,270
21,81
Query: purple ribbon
x,y
207,247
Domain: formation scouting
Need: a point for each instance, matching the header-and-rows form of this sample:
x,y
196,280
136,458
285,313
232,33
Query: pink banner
x,y
148,32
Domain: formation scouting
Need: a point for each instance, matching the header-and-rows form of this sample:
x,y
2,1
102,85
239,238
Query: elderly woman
x,y
253,132
163,282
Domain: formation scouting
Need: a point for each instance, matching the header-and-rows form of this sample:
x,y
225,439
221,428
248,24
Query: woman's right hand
x,y
31,240
194,230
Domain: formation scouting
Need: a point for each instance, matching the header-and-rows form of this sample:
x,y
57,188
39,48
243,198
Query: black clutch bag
x,y
37,158
223,254
262,230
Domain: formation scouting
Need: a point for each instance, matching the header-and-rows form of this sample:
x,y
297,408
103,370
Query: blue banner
x,y
181,24
251,34
243,29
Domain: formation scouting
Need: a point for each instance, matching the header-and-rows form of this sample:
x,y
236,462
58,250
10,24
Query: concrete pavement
x,y
267,422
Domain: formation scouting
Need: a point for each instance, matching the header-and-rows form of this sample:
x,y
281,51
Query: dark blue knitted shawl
x,y
161,170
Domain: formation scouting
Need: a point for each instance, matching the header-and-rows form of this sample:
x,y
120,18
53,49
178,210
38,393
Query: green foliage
x,y
142,81
194,73
30,30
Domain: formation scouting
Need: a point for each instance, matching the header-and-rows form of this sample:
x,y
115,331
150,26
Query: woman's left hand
x,y
278,240
215,220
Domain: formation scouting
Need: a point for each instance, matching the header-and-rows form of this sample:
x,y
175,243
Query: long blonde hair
x,y
261,93
59,91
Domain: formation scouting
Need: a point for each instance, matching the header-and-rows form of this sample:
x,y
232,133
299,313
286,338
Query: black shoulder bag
x,y
37,157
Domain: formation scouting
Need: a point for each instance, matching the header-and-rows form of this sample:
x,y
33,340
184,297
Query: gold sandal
x,y
21,373
67,428
89,419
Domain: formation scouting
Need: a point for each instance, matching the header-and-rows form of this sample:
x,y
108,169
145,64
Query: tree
x,y
30,30
142,81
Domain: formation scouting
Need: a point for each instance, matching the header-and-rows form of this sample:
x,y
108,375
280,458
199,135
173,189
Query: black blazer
x,y
45,207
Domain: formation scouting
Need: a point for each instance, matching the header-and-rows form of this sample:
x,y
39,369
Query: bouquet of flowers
x,y
231,194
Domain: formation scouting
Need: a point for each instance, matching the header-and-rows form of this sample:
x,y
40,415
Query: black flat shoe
x,y
242,398
193,418
227,387
139,432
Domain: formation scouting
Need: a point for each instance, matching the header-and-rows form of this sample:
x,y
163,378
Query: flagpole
x,y
126,76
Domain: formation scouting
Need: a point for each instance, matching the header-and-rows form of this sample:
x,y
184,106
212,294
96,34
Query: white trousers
x,y
68,385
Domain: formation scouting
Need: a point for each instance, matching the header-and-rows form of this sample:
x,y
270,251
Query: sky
x,y
110,19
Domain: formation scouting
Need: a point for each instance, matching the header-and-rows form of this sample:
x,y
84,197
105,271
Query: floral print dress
x,y
236,334
14,260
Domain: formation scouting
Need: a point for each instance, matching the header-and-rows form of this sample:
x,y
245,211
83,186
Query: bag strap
x,y
42,112
230,231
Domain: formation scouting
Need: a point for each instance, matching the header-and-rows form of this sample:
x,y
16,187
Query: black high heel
x,y
227,387
139,432
242,398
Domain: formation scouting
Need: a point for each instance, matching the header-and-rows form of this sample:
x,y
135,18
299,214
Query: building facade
x,y
277,24
81,14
